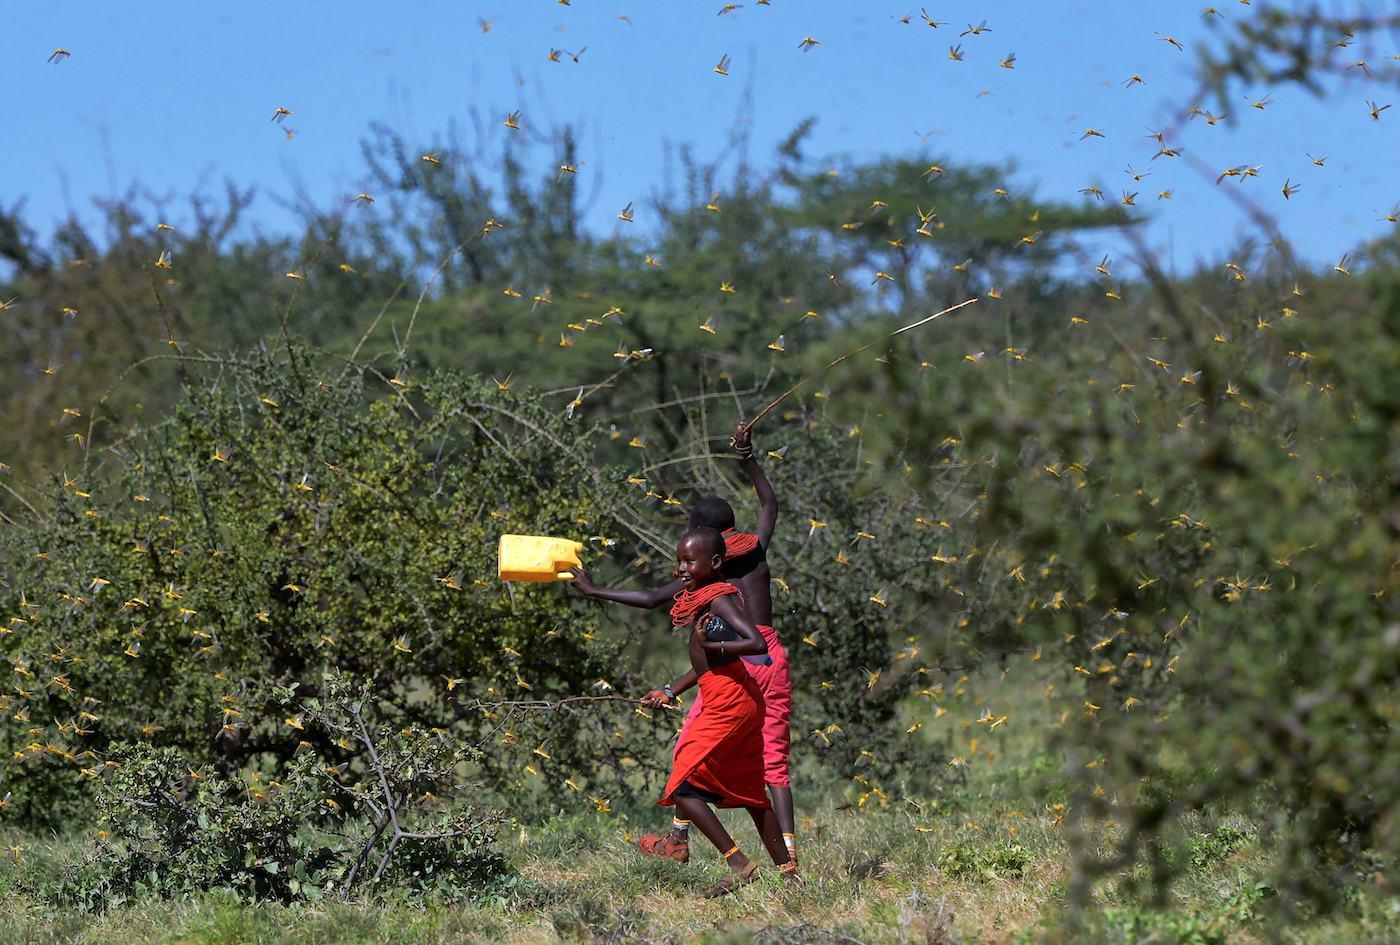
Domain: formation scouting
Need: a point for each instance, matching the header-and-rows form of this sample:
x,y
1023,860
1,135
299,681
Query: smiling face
x,y
697,561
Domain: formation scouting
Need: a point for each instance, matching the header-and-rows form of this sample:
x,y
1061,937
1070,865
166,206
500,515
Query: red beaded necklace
x,y
738,543
690,603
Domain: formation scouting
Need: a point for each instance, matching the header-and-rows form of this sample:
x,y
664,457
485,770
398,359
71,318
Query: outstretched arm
x,y
644,600
768,501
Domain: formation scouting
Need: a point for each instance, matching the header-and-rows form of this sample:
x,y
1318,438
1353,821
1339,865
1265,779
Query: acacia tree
x,y
1301,42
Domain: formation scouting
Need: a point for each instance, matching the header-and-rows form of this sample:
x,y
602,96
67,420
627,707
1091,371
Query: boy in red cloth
x,y
746,565
718,758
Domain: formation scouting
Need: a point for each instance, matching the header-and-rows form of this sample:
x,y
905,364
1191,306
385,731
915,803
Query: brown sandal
x,y
733,881
663,846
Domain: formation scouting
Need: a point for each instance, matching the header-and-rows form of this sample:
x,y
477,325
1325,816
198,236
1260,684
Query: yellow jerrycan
x,y
537,558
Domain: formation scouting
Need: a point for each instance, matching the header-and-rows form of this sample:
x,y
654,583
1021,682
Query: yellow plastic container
x,y
537,558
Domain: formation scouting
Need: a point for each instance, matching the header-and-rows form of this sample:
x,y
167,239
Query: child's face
x,y
695,562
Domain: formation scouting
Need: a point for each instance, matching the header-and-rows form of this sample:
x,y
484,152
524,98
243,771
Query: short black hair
x,y
713,540
712,512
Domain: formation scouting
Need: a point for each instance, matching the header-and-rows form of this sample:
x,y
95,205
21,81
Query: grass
x,y
982,862
578,881
871,879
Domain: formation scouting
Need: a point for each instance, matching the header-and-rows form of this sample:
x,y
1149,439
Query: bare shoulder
x,y
729,607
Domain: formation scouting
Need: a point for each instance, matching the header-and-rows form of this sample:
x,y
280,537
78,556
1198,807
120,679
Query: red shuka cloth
x,y
721,749
738,543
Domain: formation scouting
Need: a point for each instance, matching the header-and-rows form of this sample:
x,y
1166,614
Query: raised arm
x,y
750,642
644,600
768,501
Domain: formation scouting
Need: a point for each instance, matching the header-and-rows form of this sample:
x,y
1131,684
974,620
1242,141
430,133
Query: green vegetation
x,y
873,876
1089,588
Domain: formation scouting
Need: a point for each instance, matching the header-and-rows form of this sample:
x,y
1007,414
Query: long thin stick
x,y
793,389
547,706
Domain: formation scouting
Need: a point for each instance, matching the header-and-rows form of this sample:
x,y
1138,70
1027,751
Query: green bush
x,y
1209,849
1207,551
287,520
390,812
1003,859
1133,927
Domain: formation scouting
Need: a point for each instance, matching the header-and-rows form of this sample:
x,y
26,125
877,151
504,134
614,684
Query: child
x,y
718,758
746,565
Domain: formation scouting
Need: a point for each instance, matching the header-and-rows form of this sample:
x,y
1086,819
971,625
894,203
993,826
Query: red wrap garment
x,y
721,748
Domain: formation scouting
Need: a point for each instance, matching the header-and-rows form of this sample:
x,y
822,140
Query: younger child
x,y
719,758
746,565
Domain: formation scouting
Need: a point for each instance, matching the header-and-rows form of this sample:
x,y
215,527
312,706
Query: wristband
x,y
670,694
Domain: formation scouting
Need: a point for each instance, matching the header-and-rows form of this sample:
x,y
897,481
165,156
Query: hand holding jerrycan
x,y
537,558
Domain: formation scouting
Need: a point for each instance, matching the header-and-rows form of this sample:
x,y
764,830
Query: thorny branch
x,y
397,773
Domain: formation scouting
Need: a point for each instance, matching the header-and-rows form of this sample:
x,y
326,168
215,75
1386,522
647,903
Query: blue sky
x,y
178,97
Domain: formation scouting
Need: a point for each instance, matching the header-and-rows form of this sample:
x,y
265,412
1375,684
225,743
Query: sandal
x,y
663,846
790,873
733,881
